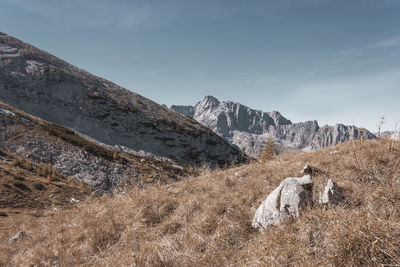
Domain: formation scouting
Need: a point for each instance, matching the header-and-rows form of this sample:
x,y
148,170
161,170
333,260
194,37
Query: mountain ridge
x,y
248,128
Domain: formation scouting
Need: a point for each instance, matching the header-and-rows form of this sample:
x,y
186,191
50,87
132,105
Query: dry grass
x,y
205,221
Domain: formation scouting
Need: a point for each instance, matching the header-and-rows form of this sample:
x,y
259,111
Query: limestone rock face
x,y
285,201
48,87
332,194
333,135
248,129
226,117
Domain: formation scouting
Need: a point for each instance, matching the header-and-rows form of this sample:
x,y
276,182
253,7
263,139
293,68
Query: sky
x,y
335,61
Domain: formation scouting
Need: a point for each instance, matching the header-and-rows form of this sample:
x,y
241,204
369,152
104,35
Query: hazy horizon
x,y
330,61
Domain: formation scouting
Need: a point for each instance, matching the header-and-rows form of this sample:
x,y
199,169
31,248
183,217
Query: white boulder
x,y
285,201
332,194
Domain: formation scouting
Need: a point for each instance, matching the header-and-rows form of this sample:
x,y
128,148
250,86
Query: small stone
x,y
73,200
241,173
16,237
332,194
170,188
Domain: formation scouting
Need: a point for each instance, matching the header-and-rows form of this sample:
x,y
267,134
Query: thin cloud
x,y
349,54
395,41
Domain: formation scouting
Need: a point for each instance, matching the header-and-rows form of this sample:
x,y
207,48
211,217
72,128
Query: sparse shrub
x,y
54,174
70,181
115,155
48,169
28,165
39,169
268,152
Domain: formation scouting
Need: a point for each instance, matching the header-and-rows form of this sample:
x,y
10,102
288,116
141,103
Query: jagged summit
x,y
248,128
48,87
213,102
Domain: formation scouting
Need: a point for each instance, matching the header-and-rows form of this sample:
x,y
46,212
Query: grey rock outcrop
x,y
332,194
16,237
48,87
248,129
333,135
285,201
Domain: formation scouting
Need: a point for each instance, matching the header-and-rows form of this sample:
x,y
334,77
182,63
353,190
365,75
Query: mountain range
x,y
248,129
45,86
91,129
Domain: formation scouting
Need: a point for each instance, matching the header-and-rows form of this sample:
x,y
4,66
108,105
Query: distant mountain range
x,y
248,129
45,86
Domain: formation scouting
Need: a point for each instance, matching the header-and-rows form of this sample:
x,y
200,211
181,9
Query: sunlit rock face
x,y
285,202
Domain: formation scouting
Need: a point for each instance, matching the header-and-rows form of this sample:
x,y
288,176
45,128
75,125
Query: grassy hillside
x,y
205,221
19,130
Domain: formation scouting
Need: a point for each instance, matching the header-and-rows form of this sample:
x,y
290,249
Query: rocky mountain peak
x,y
208,102
278,118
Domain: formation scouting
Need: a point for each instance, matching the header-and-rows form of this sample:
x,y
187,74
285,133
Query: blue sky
x,y
331,60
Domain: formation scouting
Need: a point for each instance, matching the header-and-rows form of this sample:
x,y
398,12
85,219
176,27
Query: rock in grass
x,y
16,237
396,136
332,194
285,201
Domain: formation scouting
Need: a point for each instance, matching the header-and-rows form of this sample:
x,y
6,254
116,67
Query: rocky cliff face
x,y
100,166
45,86
248,129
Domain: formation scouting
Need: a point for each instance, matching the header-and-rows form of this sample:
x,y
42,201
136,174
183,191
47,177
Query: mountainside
x,y
71,156
45,86
249,129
